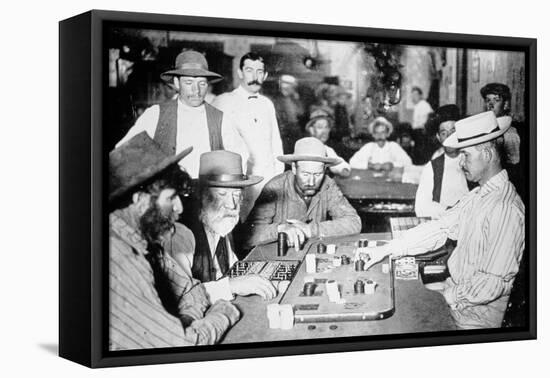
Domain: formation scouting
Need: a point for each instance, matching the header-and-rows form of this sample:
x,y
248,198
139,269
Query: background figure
x,y
290,112
497,98
320,126
421,111
380,154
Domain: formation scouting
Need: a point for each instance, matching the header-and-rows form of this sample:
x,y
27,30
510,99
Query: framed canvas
x,y
143,287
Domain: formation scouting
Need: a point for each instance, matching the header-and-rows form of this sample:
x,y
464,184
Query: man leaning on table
x,y
488,225
303,202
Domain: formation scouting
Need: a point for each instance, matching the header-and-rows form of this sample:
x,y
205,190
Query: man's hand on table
x,y
297,232
376,254
252,284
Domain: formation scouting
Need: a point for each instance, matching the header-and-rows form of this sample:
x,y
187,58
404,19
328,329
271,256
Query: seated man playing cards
x,y
488,225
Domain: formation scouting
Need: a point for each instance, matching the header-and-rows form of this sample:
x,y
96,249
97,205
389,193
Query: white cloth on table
x,y
372,153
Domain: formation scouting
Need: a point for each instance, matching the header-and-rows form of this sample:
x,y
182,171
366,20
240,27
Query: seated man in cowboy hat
x,y
153,303
488,225
380,154
319,126
303,202
442,182
211,253
189,120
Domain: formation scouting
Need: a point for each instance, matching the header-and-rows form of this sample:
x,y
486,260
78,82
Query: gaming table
x,y
413,308
364,184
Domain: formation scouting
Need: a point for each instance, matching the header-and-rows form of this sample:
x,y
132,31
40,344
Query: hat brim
x,y
251,180
148,173
504,124
289,159
212,77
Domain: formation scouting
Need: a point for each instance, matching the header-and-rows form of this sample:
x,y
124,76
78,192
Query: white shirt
x,y
453,188
337,169
420,114
372,153
256,123
192,130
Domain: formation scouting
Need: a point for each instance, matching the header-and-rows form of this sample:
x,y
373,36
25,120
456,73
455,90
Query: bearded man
x,y
211,254
153,303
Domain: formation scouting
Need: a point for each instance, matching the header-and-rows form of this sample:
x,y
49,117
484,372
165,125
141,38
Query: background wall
x,y
28,278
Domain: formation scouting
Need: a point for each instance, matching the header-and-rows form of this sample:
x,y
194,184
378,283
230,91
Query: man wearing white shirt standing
x,y
442,183
254,116
380,154
189,120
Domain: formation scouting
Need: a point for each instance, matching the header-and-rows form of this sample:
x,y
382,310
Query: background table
x,y
417,309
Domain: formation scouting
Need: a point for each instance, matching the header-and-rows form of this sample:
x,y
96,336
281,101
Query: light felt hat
x,y
477,129
222,168
309,149
380,121
136,161
191,63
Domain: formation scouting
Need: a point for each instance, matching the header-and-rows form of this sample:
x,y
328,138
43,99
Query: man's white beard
x,y
221,221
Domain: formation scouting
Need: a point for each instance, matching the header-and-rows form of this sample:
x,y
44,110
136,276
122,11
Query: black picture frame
x,y
83,167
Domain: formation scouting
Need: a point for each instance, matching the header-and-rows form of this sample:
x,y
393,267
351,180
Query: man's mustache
x,y
254,82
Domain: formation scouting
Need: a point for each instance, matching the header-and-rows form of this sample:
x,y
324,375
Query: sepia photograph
x,y
266,188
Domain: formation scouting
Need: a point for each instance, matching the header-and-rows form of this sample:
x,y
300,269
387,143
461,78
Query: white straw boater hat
x,y
477,129
309,149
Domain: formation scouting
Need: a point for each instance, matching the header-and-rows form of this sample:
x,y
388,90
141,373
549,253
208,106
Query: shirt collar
x,y
244,93
186,108
496,182
124,222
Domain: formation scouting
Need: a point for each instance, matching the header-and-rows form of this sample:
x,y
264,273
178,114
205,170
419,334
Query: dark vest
x,y
203,263
438,165
167,129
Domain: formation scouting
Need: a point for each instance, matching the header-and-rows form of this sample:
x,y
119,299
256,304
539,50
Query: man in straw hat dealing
x,y
488,225
189,120
221,184
153,303
303,202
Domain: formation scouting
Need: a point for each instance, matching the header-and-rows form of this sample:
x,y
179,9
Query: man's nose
x,y
311,180
231,203
178,206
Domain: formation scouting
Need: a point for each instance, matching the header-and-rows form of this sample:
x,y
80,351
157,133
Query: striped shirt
x,y
137,317
489,227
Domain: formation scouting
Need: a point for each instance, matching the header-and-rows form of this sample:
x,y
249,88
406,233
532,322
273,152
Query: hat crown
x,y
220,162
310,147
477,125
191,58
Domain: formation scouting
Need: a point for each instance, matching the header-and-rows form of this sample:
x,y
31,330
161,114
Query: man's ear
x,y
240,73
265,76
294,167
176,82
141,201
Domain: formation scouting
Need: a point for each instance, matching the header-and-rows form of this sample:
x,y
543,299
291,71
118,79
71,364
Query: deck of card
x,y
406,268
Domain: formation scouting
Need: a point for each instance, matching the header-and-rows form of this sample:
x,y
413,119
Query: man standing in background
x,y
255,119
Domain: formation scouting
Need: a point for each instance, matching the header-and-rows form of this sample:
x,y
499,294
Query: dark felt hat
x,y
444,113
222,168
496,89
136,161
191,63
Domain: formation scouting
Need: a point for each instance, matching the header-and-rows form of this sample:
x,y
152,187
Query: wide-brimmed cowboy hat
x,y
136,161
380,121
222,168
477,129
191,63
309,149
